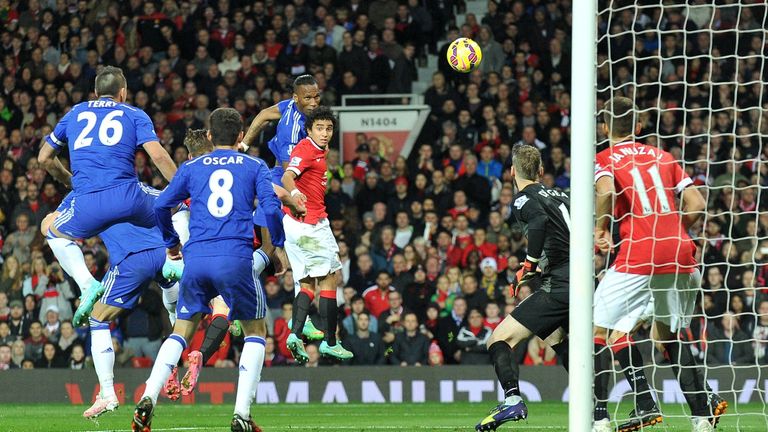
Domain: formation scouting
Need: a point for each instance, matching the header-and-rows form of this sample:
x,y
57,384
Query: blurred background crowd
x,y
428,242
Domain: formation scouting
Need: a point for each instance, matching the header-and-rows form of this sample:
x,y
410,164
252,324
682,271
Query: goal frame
x,y
583,140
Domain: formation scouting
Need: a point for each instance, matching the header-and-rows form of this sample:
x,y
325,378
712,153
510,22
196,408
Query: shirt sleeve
x,y
286,138
602,167
58,138
530,212
175,193
145,130
269,205
682,180
283,105
300,161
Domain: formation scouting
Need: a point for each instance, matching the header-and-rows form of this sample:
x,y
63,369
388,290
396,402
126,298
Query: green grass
x,y
351,417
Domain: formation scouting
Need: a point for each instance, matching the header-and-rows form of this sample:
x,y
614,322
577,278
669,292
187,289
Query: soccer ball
x,y
464,55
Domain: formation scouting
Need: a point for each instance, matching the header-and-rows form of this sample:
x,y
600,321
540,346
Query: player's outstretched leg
x,y
602,422
646,413
251,363
103,362
167,359
189,381
300,311
170,299
329,310
506,336
214,335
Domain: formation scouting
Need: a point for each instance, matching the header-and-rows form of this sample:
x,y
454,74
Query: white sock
x,y
251,362
180,221
167,359
72,261
260,261
103,357
170,297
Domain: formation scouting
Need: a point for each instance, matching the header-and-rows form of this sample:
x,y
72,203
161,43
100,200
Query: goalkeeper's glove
x,y
527,272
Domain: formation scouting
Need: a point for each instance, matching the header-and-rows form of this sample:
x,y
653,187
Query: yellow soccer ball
x,y
464,55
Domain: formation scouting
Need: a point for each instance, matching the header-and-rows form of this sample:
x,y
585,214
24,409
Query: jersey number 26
x,y
110,128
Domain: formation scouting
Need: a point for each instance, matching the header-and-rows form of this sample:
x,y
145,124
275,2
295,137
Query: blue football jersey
x,y
223,186
102,136
290,130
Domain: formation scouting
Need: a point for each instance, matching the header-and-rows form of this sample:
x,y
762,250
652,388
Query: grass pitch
x,y
337,417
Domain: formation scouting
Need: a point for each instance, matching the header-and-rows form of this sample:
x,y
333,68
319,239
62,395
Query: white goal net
x,y
697,72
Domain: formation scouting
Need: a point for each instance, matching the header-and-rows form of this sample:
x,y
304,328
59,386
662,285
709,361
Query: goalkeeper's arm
x,y
692,205
605,193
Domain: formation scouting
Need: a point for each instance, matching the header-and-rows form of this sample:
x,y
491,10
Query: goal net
x,y
697,72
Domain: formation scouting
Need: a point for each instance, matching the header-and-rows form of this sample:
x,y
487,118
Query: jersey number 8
x,y
110,129
220,201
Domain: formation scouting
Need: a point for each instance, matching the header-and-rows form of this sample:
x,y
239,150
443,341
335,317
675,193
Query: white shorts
x,y
623,299
312,249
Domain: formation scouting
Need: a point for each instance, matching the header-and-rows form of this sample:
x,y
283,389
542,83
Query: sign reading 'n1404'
x,y
374,121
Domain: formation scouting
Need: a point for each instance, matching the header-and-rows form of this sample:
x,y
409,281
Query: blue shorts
x,y
124,282
231,277
277,173
86,215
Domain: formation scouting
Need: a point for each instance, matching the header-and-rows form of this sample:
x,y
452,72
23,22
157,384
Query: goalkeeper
x,y
544,213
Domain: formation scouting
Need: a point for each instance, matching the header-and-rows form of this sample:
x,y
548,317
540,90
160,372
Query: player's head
x,y
226,127
197,143
320,124
306,93
111,82
526,163
619,118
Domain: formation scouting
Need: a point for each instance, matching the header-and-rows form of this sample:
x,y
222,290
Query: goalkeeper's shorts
x,y
624,299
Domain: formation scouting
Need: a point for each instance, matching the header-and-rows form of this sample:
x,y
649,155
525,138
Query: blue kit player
x,y
102,136
290,130
136,257
291,114
218,257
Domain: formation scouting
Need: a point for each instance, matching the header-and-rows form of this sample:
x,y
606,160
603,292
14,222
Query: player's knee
x,y
254,327
105,313
47,222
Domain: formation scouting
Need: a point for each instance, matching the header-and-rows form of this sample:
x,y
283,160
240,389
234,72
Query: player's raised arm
x,y
49,149
164,206
270,205
262,118
298,209
692,205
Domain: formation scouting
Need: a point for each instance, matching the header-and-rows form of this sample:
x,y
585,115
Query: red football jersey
x,y
308,163
647,180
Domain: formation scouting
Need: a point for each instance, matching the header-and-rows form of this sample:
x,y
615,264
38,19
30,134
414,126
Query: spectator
x,y
472,339
18,242
490,282
272,357
5,334
77,359
52,325
418,293
314,356
18,323
475,298
5,357
364,276
36,282
17,354
448,328
539,353
57,292
33,345
32,205
728,345
385,251
357,306
411,348
365,344
5,310
377,296
51,358
143,327
67,338
759,334
390,321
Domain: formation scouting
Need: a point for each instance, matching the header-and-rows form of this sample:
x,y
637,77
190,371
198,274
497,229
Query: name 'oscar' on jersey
x,y
536,199
102,136
223,186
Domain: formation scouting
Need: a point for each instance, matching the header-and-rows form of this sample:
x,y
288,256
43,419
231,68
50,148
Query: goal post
x,y
583,89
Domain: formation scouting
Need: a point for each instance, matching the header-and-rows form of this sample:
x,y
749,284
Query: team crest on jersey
x,y
520,202
295,161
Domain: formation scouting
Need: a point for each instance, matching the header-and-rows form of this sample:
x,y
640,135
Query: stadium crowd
x,y
428,243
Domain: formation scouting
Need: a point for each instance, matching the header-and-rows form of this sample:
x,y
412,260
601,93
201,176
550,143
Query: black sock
x,y
506,368
691,380
561,350
300,311
329,312
631,362
214,334
602,377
